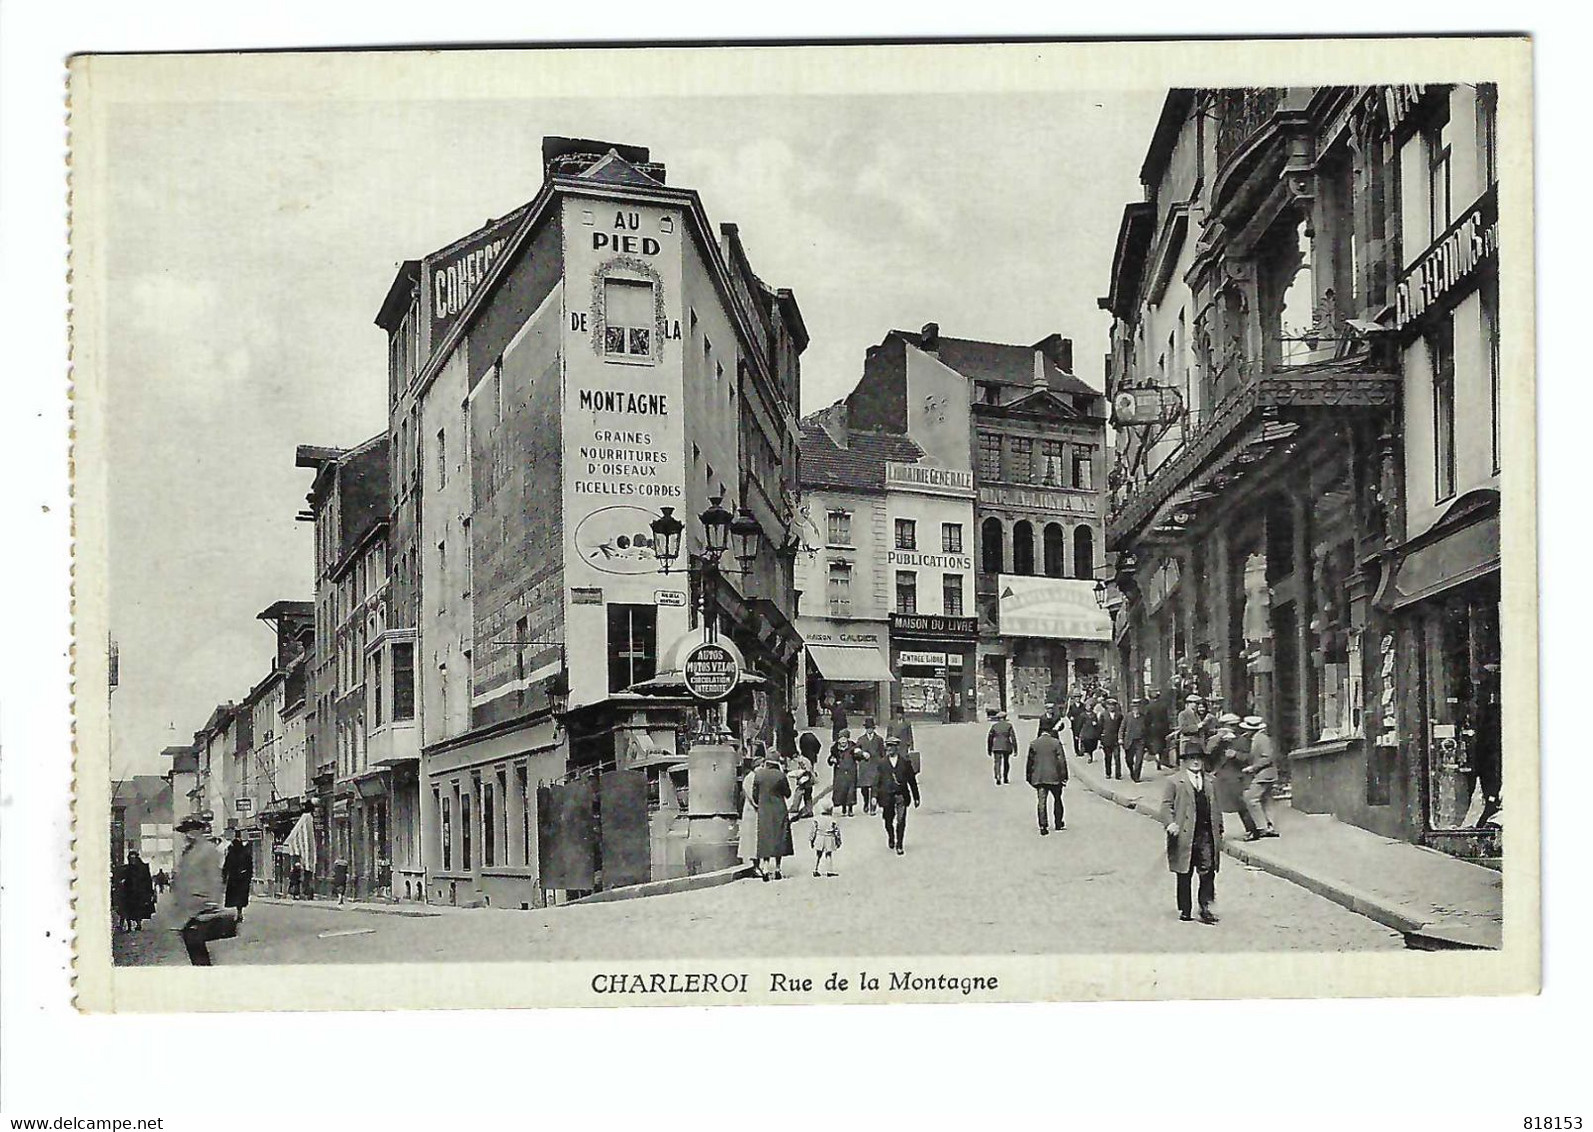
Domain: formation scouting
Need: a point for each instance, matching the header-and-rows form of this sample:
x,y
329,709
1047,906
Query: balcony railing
x,y
1240,113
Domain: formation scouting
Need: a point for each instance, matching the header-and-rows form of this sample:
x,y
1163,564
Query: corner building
x,y
557,379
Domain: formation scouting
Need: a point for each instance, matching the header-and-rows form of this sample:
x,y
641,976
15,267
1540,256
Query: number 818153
x,y
1552,1123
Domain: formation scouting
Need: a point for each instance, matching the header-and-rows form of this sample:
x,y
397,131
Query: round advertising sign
x,y
711,671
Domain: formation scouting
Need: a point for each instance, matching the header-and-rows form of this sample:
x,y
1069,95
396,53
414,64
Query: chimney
x,y
1059,350
929,337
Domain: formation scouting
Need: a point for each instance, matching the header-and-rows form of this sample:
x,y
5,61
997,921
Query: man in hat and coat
x,y
1112,717
1136,737
1227,751
1047,772
197,887
770,789
1192,818
896,782
870,754
1263,772
1194,725
1001,742
237,870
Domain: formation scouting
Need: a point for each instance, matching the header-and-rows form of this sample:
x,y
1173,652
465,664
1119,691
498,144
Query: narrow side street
x,y
974,855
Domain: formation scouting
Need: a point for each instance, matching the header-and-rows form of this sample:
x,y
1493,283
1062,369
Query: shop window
x,y
1441,348
502,833
1051,465
951,538
1020,455
489,853
523,784
839,528
1084,468
840,589
628,318
906,591
1460,673
906,534
632,645
403,681
1023,547
989,456
992,548
447,832
1083,552
951,594
1055,543
464,832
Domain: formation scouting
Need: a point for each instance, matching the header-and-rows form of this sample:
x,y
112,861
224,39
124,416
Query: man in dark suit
x,y
1047,772
1192,817
896,782
1136,738
1111,716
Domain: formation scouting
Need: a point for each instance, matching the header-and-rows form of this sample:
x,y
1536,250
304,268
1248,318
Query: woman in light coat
x,y
747,842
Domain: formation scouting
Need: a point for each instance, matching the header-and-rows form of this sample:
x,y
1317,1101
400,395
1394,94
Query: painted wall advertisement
x,y
1054,608
623,422
453,274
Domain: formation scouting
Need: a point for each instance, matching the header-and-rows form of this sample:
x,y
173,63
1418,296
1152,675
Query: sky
x,y
250,243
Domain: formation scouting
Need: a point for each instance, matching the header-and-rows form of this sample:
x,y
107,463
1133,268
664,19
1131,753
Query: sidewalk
x,y
1437,901
378,907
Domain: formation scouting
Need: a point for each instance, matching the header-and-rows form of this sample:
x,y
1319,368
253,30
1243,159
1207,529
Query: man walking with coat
x,y
1263,772
237,871
1001,743
896,782
870,754
1193,820
1047,772
1136,737
1111,735
197,888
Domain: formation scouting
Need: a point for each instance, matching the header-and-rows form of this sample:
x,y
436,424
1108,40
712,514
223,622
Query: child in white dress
x,y
825,839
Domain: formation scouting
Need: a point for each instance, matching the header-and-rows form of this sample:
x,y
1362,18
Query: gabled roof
x,y
998,362
615,170
1043,402
860,466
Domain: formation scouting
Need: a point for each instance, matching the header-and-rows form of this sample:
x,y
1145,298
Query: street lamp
x,y
716,522
666,538
746,532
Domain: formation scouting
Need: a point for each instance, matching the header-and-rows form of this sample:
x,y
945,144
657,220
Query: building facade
x,y
1280,422
1023,440
842,577
361,678
141,818
557,379
1442,587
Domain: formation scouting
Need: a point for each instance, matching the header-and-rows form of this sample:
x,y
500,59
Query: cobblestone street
x,y
977,878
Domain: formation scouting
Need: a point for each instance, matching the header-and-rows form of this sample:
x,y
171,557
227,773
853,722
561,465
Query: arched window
x,y
1055,548
1083,552
1022,547
992,547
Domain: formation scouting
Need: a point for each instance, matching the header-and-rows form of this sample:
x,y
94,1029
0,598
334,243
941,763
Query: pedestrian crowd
x,y
1217,763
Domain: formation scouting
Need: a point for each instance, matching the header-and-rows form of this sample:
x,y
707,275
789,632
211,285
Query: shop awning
x,y
863,664
1464,545
301,842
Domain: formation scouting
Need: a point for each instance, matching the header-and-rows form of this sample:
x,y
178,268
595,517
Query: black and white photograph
x,y
710,526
